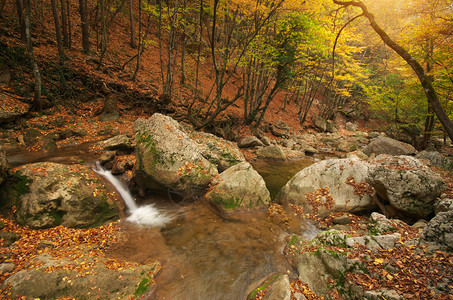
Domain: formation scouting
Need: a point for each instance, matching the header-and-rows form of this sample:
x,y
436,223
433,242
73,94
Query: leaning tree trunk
x,y
37,104
425,80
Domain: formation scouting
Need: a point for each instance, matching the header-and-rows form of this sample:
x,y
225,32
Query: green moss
x,y
229,203
143,286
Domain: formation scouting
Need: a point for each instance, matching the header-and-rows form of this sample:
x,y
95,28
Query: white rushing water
x,y
148,215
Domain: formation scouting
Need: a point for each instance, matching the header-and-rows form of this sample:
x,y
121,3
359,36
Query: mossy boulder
x,y
92,278
239,187
51,194
220,152
167,158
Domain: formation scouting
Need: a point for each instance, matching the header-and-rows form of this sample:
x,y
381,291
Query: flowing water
x,y
203,254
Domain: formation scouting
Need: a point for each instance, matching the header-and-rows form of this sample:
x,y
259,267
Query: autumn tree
x,y
424,78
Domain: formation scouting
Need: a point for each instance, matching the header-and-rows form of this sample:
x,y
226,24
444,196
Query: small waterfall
x,y
148,214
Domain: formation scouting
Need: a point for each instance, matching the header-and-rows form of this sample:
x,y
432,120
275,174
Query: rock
x,y
110,110
329,186
119,143
53,194
106,157
317,268
5,76
280,129
381,225
434,158
374,134
9,238
342,220
351,126
6,268
382,294
249,142
279,288
4,166
331,127
239,187
166,157
320,123
121,165
385,145
346,146
271,152
438,234
443,205
220,152
375,242
359,154
266,141
407,184
14,110
420,224
99,281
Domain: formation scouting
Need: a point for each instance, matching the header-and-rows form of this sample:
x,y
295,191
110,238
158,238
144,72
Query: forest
x,y
200,58
226,149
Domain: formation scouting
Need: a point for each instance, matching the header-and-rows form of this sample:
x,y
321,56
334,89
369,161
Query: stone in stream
x,y
239,187
167,158
331,185
52,194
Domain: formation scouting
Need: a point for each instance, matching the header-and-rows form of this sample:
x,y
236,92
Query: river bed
x,y
204,255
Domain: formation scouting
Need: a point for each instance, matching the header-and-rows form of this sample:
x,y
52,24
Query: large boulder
x,y
220,152
88,277
271,152
434,158
330,186
239,187
386,145
166,157
407,184
438,234
4,166
52,194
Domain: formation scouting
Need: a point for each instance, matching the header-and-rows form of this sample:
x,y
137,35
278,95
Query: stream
x,y
203,255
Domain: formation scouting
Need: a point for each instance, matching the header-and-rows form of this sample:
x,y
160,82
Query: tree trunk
x,y
64,23
424,79
103,33
2,6
37,104
85,26
57,28
131,18
21,18
68,11
137,66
